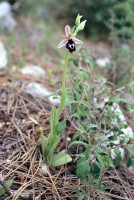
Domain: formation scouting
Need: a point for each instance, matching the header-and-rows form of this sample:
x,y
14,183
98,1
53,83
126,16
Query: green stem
x,y
55,114
63,96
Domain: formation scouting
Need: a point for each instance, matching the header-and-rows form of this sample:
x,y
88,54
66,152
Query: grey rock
x,y
34,71
3,56
102,62
6,17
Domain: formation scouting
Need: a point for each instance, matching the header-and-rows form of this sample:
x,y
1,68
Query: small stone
x,y
6,18
102,62
5,9
55,100
33,71
40,91
125,46
1,177
1,125
24,120
3,56
8,161
44,169
37,89
68,139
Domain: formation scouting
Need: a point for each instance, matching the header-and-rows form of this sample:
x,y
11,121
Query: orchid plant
x,y
49,144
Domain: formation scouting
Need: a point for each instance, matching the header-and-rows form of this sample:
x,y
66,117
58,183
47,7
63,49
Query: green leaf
x,y
89,61
60,159
76,115
78,143
130,148
118,130
116,99
86,92
103,138
95,170
52,149
117,151
84,75
81,111
90,126
113,138
108,162
53,121
72,102
85,103
60,126
76,135
82,168
100,150
87,152
109,186
118,158
78,96
9,184
129,160
100,160
123,125
44,142
117,161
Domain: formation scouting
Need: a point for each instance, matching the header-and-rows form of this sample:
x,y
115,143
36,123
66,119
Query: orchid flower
x,y
69,40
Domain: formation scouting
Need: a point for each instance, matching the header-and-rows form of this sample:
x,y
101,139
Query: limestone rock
x,y
3,56
6,17
33,71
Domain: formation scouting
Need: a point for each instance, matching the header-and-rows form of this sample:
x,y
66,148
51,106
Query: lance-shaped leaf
x,y
44,142
51,150
60,159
